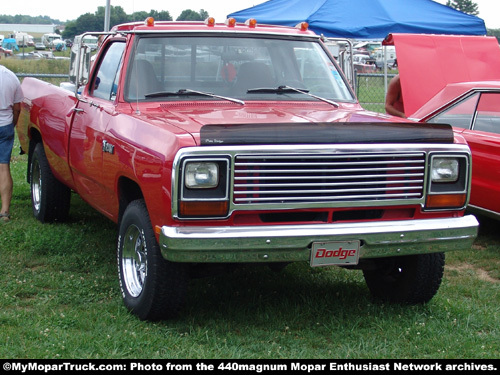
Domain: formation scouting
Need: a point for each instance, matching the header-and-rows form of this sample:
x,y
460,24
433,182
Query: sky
x,y
489,10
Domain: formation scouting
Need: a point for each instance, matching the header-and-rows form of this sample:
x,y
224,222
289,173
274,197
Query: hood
x,y
190,117
428,63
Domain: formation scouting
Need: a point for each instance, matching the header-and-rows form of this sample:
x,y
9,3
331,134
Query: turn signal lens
x,y
446,200
203,209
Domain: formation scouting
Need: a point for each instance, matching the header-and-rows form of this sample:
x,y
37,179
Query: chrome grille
x,y
314,178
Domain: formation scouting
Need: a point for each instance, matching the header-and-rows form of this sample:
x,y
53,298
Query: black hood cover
x,y
325,133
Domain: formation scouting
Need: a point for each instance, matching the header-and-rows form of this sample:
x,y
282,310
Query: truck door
x,y
87,139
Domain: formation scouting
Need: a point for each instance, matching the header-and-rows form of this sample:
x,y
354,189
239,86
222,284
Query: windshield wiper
x,y
287,89
275,90
187,92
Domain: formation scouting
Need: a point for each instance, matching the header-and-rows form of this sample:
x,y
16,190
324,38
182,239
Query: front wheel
x,y
152,288
412,279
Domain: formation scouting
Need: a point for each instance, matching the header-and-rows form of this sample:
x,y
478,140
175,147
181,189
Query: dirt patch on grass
x,y
482,274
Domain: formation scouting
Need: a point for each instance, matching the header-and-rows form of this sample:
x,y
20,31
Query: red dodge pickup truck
x,y
242,143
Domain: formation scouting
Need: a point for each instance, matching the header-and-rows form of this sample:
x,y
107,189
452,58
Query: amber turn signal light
x,y
203,209
446,200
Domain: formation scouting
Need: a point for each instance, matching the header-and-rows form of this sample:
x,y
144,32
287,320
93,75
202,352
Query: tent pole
x,y
385,70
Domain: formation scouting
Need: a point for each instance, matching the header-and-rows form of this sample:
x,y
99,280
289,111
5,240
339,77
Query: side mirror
x,y
79,64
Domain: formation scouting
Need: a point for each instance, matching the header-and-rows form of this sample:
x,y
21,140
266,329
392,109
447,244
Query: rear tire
x,y
50,199
412,279
152,288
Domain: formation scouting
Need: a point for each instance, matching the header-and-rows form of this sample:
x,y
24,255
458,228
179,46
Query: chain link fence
x,y
371,90
55,79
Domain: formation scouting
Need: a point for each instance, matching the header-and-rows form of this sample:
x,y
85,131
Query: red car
x,y
463,90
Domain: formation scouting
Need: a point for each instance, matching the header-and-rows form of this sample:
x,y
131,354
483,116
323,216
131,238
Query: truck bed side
x,y
47,113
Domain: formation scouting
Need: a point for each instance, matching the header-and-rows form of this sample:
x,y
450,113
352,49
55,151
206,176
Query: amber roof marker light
x,y
231,22
251,22
210,21
303,26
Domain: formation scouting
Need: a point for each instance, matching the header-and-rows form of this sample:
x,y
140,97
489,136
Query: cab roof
x,y
190,26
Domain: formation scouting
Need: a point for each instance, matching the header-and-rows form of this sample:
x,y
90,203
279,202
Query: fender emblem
x,y
108,147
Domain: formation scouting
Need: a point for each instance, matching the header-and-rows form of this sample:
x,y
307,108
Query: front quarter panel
x,y
485,191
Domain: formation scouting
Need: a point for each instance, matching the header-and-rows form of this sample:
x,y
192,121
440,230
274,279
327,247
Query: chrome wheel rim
x,y
36,185
134,264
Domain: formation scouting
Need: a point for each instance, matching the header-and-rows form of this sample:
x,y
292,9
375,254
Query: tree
x,y
494,32
191,15
116,16
163,15
465,6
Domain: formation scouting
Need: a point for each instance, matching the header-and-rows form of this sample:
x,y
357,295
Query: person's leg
x,y
6,183
6,186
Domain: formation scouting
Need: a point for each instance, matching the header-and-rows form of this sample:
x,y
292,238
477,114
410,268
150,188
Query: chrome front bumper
x,y
289,243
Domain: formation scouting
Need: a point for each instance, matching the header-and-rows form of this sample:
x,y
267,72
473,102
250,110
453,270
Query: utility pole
x,y
107,15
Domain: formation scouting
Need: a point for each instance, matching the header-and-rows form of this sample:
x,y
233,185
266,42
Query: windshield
x,y
232,67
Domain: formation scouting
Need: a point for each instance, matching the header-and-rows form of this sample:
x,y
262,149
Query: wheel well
x,y
128,191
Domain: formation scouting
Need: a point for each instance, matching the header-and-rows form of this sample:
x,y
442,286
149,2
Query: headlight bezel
x,y
448,192
210,199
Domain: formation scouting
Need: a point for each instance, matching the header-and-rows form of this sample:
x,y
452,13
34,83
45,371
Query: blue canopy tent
x,y
10,43
365,19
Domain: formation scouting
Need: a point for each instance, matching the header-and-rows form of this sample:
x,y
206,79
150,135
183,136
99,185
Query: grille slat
x,y
328,178
325,185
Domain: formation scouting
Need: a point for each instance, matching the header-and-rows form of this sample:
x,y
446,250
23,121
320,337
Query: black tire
x,y
50,199
152,288
412,279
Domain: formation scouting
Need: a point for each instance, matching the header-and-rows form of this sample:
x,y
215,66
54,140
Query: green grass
x,y
60,299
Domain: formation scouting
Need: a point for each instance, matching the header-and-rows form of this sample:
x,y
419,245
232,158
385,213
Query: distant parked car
x,y
364,64
28,56
40,46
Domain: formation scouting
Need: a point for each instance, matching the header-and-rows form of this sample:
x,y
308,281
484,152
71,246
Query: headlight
x,y
449,182
203,188
201,175
444,169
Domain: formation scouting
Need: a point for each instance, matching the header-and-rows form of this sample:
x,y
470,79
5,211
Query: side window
x,y
488,113
106,81
460,115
